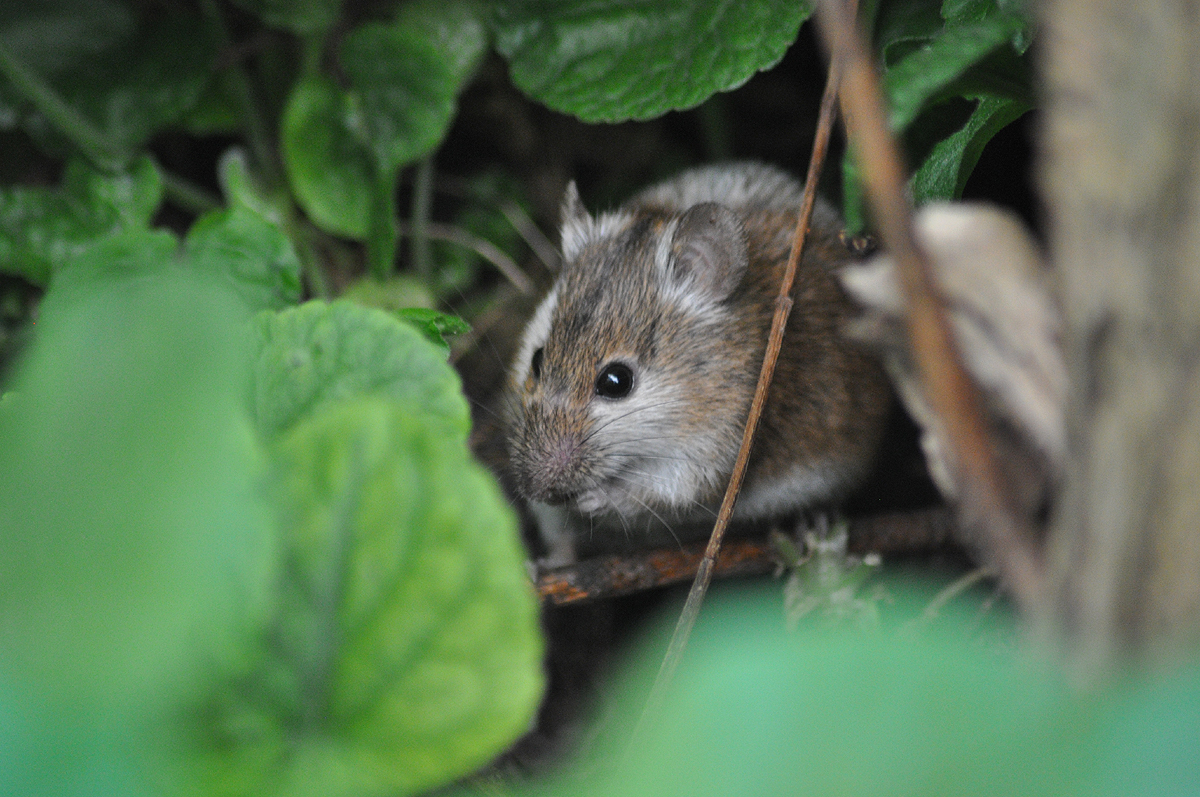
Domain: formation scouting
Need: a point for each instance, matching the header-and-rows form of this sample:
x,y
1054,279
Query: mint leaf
x,y
402,92
50,36
43,229
435,326
753,710
316,353
455,27
923,76
406,648
613,60
119,257
114,76
331,174
343,147
250,252
932,59
134,542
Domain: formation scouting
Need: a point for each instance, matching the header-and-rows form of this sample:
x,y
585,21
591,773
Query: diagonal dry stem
x,y
783,307
986,498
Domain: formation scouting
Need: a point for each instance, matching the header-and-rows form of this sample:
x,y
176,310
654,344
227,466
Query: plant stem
x,y
422,206
257,129
384,230
101,150
480,246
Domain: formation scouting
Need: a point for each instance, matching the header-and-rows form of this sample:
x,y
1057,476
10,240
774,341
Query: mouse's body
x,y
632,385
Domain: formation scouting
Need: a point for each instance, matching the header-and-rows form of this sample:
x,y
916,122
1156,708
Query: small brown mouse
x,y
631,387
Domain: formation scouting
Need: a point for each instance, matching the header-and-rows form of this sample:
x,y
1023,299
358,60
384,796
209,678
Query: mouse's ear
x,y
577,225
708,252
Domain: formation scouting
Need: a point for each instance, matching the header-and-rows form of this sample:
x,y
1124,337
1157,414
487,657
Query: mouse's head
x,y
634,376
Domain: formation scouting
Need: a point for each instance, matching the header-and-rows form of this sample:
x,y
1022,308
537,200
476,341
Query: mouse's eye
x,y
615,381
535,365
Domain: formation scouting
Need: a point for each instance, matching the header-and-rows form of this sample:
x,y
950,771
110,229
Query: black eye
x,y
535,365
615,381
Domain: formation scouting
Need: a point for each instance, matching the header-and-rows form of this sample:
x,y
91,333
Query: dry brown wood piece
x,y
612,576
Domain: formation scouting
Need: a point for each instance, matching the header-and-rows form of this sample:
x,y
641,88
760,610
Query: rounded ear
x,y
577,225
708,251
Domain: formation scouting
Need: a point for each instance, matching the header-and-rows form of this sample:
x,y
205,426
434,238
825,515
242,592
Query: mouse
x,y
626,402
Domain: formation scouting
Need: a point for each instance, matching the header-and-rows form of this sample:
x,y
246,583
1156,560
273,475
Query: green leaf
x,y
612,60
903,26
342,148
298,16
406,650
118,80
134,542
51,36
216,111
924,75
43,229
435,326
753,710
933,59
245,243
455,27
397,293
316,353
402,91
332,175
242,187
944,173
123,255
250,252
1152,746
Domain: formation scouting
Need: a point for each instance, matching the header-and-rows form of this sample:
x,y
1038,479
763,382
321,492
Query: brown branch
x,y
902,533
783,307
985,498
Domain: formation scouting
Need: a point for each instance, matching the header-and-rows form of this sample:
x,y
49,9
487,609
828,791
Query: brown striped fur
x,y
665,292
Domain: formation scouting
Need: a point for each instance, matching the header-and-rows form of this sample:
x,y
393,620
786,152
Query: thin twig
x,y
986,499
952,591
485,249
531,234
783,307
516,215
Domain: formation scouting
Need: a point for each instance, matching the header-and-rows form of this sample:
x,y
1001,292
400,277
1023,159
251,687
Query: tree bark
x,y
1120,173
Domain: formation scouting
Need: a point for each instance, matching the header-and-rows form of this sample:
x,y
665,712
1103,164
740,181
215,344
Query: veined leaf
x,y
406,649
317,353
612,60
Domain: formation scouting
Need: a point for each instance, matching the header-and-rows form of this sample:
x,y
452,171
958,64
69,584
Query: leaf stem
x,y
255,124
384,229
422,208
99,148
